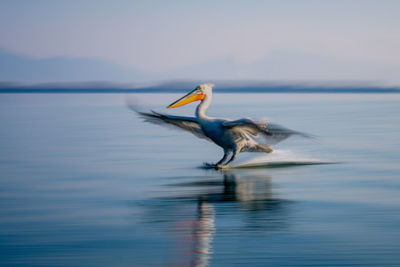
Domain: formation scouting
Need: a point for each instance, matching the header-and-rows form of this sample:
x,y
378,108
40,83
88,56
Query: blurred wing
x,y
189,124
273,133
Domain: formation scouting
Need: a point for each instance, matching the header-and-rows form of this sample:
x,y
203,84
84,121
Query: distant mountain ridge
x,y
24,69
19,73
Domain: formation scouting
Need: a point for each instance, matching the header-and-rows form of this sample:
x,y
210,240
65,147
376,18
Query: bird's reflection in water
x,y
203,231
243,200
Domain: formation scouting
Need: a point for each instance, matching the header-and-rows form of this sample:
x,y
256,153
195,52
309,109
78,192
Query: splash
x,y
279,158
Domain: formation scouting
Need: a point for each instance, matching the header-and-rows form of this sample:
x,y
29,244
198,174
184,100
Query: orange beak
x,y
191,97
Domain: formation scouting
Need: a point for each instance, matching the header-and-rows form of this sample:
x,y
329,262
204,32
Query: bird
x,y
233,136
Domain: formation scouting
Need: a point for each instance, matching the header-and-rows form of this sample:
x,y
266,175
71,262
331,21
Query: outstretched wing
x,y
273,133
189,124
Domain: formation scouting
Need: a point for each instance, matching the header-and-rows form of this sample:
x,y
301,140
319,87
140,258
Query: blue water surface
x,y
85,182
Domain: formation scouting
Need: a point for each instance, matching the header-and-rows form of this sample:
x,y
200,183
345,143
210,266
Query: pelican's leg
x,y
235,152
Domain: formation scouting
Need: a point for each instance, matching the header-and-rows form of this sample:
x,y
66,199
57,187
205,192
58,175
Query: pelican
x,y
233,136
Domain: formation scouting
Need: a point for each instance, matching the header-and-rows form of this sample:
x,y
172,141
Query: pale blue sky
x,y
278,40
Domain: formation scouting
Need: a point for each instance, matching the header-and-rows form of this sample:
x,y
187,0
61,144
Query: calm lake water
x,y
84,182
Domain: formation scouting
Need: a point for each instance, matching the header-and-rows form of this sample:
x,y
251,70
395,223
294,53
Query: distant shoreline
x,y
187,85
218,90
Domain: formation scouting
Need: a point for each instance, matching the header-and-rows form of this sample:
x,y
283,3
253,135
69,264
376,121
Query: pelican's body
x,y
232,136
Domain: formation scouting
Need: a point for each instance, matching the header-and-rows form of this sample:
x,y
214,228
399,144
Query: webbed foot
x,y
215,166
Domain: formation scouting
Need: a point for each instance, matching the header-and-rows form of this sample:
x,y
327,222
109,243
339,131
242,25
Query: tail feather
x,y
258,148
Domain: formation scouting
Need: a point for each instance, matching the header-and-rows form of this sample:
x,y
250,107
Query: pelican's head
x,y
199,93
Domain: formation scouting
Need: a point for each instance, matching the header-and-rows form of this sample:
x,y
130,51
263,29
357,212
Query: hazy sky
x,y
332,40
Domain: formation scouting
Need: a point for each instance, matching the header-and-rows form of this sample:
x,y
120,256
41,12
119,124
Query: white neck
x,y
202,107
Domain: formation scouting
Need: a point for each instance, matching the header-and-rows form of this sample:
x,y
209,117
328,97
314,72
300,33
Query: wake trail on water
x,y
279,158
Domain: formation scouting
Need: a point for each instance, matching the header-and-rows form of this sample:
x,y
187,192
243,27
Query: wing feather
x,y
188,124
273,133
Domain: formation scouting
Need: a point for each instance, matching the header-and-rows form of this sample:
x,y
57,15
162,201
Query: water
x,y
84,182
